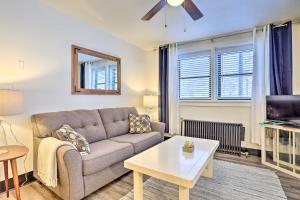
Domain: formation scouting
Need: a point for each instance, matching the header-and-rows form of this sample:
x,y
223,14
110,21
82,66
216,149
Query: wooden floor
x,y
123,185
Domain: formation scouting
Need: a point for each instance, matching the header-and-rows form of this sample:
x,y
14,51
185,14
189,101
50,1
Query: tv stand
x,y
280,148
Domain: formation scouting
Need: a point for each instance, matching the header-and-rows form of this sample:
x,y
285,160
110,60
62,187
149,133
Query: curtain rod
x,y
280,23
217,36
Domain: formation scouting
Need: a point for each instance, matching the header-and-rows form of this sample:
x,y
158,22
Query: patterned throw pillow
x,y
139,124
67,133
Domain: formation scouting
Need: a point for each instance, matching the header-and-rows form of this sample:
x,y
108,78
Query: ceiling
x,y
122,18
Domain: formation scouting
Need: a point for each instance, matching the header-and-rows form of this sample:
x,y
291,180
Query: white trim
x,y
234,40
214,75
201,53
215,104
235,48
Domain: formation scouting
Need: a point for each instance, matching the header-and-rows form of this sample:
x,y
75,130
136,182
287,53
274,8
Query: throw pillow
x,y
67,133
139,124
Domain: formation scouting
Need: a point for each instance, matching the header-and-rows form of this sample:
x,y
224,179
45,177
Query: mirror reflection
x,y
97,73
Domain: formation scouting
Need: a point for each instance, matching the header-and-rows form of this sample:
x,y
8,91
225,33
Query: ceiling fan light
x,y
175,2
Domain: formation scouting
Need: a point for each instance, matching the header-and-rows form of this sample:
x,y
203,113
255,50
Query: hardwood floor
x,y
123,185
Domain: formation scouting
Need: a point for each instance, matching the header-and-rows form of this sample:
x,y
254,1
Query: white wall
x,y
152,78
41,37
296,58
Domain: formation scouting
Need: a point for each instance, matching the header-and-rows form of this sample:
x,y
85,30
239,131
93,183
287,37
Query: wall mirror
x,y
94,72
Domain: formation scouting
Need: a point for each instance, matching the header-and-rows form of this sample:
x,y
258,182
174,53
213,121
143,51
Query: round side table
x,y
14,152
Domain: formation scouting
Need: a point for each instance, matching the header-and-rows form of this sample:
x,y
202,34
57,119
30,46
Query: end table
x,y
14,152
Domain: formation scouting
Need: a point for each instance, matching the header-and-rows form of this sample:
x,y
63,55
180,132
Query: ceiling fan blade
x,y
160,5
192,9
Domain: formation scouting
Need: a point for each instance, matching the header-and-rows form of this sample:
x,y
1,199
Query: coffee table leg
x,y
138,185
184,193
6,177
208,172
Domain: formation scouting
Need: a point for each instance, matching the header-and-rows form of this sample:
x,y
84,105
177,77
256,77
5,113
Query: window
x,y
227,77
235,69
195,76
113,84
105,77
100,80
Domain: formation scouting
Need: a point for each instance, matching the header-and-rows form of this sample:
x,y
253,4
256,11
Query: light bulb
x,y
175,2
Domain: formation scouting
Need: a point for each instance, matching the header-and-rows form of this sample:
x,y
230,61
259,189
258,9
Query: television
x,y
284,108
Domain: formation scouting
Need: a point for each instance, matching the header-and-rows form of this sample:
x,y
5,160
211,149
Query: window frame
x,y
214,76
96,83
217,79
191,55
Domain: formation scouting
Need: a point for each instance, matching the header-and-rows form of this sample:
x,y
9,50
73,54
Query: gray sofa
x,y
107,132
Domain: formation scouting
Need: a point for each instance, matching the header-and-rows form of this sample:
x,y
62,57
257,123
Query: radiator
x,y
230,135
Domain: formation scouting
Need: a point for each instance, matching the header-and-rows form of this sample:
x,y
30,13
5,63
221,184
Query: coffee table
x,y
167,161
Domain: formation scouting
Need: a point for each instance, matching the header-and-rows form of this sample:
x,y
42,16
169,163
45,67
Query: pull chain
x,y
184,20
165,11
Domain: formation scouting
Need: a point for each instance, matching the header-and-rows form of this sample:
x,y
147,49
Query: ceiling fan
x,y
188,5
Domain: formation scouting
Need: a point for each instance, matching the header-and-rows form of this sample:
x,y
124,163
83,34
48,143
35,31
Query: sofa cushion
x,y
85,122
116,120
104,154
141,141
67,133
139,123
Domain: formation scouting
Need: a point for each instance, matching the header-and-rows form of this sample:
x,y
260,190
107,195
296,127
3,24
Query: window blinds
x,y
235,69
195,75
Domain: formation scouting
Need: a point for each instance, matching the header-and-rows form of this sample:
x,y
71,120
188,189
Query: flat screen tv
x,y
285,108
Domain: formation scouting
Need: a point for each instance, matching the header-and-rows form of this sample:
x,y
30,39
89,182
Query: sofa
x,y
106,130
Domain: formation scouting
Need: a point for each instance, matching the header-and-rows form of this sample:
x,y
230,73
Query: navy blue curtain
x,y
281,80
82,75
164,85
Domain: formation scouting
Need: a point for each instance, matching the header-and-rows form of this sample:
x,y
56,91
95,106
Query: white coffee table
x,y
167,161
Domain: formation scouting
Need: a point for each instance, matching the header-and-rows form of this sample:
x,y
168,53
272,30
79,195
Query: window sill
x,y
215,103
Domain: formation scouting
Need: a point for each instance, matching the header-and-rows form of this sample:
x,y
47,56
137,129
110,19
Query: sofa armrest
x,y
159,127
70,180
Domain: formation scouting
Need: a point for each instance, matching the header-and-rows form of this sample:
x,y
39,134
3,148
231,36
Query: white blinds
x,y
195,75
235,69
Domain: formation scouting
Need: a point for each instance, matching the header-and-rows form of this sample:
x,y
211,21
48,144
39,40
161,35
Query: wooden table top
x,y
14,151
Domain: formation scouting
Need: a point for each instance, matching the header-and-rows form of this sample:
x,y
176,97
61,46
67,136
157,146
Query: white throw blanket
x,y
47,161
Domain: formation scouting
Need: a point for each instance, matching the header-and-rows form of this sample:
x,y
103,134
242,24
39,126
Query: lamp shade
x,y
11,102
150,101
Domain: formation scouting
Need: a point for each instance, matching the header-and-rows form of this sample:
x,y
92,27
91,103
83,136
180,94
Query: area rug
x,y
230,182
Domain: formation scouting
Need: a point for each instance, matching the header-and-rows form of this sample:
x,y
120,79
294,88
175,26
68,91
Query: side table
x,y
14,152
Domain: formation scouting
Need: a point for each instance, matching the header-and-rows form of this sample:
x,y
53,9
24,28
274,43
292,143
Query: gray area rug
x,y
230,182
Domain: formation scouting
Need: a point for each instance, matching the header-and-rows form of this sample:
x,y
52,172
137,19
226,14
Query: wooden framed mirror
x,y
95,72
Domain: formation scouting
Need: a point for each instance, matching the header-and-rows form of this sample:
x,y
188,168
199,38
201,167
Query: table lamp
x,y
150,102
11,103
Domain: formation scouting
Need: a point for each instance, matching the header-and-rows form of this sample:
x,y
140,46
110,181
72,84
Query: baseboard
x,y
21,180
